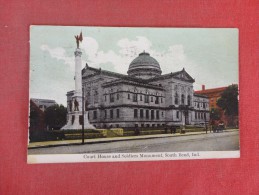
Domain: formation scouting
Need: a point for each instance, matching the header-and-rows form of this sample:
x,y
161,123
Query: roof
x,y
122,81
43,100
144,62
209,91
181,75
199,95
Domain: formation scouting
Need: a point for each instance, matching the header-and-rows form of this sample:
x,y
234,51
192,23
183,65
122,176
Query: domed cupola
x,y
144,66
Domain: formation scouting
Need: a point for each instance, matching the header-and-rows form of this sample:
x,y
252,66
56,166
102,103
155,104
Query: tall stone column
x,y
78,76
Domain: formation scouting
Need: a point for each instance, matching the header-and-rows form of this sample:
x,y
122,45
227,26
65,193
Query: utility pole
x,y
83,117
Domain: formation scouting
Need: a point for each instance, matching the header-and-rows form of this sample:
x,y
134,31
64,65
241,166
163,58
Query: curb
x,y
117,140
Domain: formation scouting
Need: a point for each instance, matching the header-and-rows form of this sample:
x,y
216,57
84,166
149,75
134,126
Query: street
x,y
225,141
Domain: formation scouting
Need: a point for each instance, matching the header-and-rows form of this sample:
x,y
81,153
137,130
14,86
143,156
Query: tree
x,y
215,114
55,116
229,101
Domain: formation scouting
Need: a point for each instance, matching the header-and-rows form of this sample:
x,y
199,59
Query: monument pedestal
x,y
74,122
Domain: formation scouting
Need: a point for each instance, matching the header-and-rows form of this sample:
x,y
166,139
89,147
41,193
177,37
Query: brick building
x,y
145,97
214,94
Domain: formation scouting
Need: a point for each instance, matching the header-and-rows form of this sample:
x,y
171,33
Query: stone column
x,y
78,76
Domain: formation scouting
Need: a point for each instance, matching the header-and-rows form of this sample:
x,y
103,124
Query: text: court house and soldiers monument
x,y
144,97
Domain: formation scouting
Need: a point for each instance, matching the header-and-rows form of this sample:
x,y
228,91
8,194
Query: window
x,y
161,100
105,113
189,100
176,98
177,114
135,97
195,115
157,114
147,114
157,100
205,116
95,114
112,97
151,98
204,105
146,98
135,113
162,114
182,99
111,113
140,97
105,97
118,96
141,113
128,96
152,114
118,113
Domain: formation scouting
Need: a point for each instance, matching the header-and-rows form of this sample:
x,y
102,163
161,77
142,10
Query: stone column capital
x,y
78,52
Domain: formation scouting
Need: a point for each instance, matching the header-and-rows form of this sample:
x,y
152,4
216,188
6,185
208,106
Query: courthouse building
x,y
144,97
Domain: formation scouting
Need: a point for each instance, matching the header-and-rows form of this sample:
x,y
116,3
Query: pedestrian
x,y
174,130
171,129
136,130
165,129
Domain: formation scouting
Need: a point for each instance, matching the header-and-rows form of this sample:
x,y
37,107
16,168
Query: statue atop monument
x,y
79,38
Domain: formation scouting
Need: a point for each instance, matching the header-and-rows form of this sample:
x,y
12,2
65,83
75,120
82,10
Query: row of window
x,y
135,98
200,115
200,104
117,112
176,99
139,113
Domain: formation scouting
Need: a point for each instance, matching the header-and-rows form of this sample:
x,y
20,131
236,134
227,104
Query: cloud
x,y
59,53
134,47
172,58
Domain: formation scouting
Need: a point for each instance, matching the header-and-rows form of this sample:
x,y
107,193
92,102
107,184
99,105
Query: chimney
x,y
203,87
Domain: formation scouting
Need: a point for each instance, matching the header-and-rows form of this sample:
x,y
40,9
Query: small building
x,y
43,103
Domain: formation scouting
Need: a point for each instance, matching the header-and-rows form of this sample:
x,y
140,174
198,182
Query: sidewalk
x,y
111,139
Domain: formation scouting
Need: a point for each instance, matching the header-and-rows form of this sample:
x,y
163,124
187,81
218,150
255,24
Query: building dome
x,y
144,66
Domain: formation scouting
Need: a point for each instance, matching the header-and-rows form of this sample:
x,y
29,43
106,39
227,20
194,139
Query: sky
x,y
209,55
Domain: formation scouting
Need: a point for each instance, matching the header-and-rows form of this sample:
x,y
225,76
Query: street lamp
x,y
83,117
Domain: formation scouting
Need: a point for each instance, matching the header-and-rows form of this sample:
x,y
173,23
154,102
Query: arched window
x,y
189,100
182,99
176,98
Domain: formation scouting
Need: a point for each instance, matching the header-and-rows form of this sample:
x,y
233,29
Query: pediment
x,y
183,75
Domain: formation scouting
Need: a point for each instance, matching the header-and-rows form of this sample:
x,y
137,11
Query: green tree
x,y
55,116
215,114
229,101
